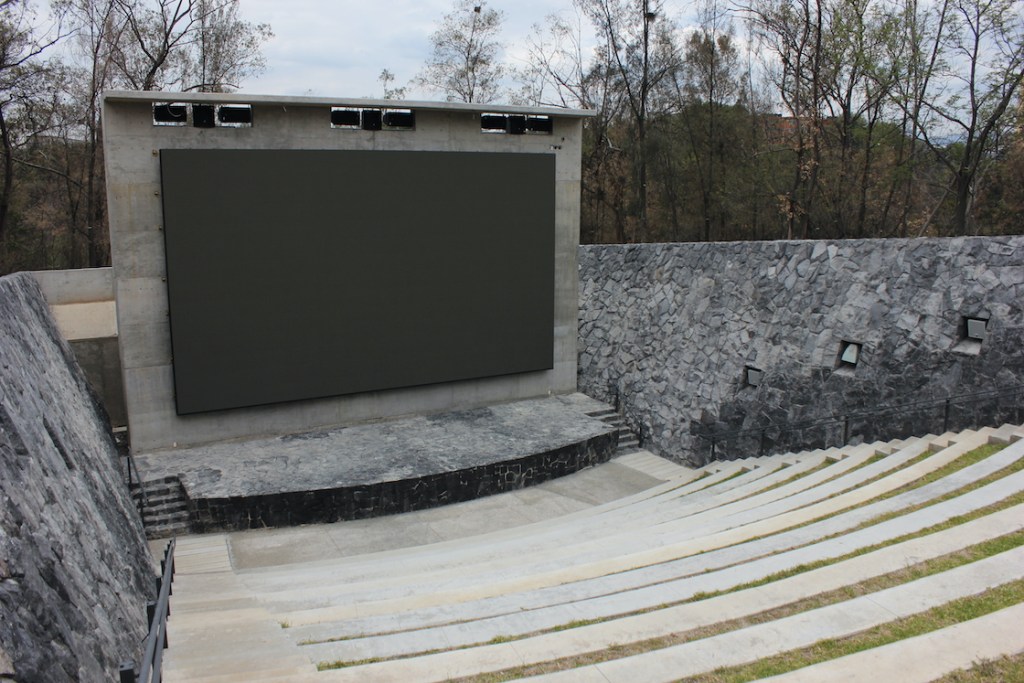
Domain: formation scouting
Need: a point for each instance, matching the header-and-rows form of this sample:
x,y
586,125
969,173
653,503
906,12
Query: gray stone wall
x,y
74,567
668,330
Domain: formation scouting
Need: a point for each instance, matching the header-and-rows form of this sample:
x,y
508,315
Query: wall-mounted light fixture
x,y
848,357
973,331
975,328
202,115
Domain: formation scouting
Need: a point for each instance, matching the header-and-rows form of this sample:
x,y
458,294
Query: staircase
x,y
628,441
164,507
722,566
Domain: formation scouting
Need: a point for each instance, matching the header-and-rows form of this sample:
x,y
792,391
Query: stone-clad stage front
x,y
384,467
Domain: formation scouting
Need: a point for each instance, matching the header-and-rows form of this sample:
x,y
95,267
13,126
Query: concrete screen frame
x,y
132,144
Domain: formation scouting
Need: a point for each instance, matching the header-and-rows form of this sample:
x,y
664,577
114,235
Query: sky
x,y
338,49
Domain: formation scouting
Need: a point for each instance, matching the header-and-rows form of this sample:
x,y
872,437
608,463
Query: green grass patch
x,y
954,612
971,457
343,664
735,475
974,456
881,475
703,475
796,477
939,564
985,549
1009,669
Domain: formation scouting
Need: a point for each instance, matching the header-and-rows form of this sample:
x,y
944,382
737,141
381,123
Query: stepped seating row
x,y
626,572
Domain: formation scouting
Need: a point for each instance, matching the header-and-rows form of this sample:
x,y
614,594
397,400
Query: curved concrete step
x,y
806,628
925,657
615,592
658,623
662,545
631,550
601,524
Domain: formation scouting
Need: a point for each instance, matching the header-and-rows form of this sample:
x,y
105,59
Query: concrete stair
x,y
624,577
629,442
164,507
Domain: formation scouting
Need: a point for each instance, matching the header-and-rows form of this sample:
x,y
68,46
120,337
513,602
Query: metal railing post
x,y
945,417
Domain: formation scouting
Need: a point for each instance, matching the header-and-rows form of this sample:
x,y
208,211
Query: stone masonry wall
x,y
667,330
75,573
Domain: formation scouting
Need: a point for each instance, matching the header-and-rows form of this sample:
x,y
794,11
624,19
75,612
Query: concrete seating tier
x,y
699,550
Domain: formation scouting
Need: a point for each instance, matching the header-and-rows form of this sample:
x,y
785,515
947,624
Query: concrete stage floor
x,y
385,467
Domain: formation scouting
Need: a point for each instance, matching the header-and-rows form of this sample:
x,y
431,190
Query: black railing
x,y
143,500
151,668
896,421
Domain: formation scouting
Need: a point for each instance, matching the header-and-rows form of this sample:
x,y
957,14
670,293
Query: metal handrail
x,y
143,498
717,437
151,669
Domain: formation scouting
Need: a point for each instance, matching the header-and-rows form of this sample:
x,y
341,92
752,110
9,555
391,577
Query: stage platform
x,y
384,467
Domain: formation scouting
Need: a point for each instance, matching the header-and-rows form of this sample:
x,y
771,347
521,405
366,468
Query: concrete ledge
x,y
76,286
384,467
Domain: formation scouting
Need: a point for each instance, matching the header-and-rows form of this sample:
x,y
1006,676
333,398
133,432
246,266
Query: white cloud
x,y
339,48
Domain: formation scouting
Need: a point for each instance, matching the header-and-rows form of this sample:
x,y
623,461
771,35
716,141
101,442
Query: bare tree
x,y
21,85
465,63
978,73
154,36
225,50
637,47
561,73
391,91
704,86
98,28
187,45
792,33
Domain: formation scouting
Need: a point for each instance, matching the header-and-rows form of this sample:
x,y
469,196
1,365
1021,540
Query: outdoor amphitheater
x,y
883,561
792,461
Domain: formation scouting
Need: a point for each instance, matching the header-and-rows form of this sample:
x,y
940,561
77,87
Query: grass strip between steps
x,y
1009,669
965,460
826,462
960,462
935,565
973,456
738,473
954,612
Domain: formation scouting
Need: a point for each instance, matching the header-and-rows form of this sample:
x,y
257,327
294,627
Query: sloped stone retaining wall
x,y
75,573
668,330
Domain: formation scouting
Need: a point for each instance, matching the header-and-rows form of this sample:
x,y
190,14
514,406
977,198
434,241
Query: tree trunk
x,y
964,204
5,197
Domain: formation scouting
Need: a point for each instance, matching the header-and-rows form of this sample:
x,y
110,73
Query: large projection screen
x,y
298,274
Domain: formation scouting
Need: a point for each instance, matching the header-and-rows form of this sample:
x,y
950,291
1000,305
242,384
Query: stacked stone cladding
x,y
75,573
667,331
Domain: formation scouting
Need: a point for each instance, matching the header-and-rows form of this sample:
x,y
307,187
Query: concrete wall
x,y
82,304
669,329
75,572
83,285
131,149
